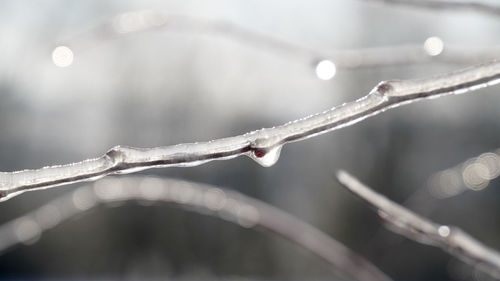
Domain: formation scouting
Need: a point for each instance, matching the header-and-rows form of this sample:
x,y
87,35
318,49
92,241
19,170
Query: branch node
x,y
384,88
117,155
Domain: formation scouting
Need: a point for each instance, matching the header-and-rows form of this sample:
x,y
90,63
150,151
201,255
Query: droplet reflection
x,y
444,231
475,176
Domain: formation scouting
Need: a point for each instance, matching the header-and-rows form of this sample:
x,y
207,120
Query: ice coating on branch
x,y
405,222
12,184
263,146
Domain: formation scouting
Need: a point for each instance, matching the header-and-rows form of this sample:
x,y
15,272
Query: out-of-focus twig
x,y
206,199
264,145
407,223
479,6
154,21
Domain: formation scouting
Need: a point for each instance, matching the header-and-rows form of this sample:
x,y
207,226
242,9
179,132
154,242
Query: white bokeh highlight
x,y
433,46
326,70
62,56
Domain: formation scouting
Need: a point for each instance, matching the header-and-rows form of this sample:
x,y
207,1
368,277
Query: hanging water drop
x,y
259,153
266,158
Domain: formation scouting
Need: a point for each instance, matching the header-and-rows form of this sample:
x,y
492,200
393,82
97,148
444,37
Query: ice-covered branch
x,y
480,6
155,21
205,199
263,145
407,223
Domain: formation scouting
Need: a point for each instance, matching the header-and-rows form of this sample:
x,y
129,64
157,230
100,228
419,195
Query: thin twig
x,y
263,145
144,21
206,199
472,174
405,222
478,6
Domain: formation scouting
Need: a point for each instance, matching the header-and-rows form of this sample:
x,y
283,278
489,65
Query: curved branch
x,y
205,199
145,21
405,222
263,145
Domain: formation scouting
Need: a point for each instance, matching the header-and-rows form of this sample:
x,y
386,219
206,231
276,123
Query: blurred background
x,y
77,78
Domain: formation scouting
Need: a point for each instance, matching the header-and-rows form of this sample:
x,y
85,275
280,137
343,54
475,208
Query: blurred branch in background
x,y
202,198
479,6
403,221
432,50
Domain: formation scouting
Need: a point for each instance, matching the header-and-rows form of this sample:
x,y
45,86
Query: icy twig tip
x,y
409,224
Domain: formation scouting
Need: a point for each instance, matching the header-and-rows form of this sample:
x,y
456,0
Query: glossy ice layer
x,y
263,145
405,222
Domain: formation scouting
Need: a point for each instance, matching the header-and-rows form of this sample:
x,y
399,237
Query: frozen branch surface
x,y
205,199
407,223
263,145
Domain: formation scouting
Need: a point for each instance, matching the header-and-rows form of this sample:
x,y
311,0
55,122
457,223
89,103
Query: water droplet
x,y
444,231
259,153
266,158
